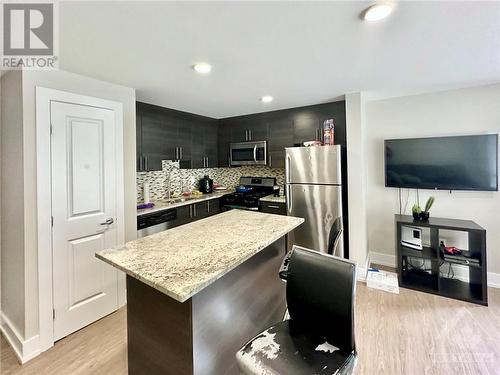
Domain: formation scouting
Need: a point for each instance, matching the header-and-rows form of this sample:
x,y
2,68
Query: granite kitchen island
x,y
198,292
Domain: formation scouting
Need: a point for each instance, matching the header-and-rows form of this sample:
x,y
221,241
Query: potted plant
x,y
416,211
424,215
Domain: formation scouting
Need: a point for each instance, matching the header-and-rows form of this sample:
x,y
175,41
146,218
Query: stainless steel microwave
x,y
248,153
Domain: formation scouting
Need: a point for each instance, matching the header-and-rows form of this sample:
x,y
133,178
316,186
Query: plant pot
x,y
416,216
424,216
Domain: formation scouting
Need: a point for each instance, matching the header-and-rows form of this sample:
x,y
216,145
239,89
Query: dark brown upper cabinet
x,y
167,134
307,127
281,129
245,130
280,136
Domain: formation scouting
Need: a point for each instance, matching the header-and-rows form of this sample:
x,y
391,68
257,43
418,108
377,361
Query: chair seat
x,y
286,349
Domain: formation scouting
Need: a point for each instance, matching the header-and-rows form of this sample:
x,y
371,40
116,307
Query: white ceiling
x,y
299,52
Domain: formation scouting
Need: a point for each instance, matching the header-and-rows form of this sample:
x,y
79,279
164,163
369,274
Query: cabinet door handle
x,y
177,153
270,160
250,134
208,206
146,161
273,206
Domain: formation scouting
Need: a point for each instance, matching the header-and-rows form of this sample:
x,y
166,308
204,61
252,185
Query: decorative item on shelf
x,y
328,132
417,212
424,215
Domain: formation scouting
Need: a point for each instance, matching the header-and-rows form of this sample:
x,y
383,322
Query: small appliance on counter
x,y
248,193
206,185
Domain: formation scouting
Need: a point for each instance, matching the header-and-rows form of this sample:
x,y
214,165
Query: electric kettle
x,y
206,185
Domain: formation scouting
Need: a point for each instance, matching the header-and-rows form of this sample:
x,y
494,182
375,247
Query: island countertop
x,y
182,261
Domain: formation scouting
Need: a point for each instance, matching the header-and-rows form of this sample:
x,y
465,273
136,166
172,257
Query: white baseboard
x,y
461,272
493,280
387,260
23,349
361,274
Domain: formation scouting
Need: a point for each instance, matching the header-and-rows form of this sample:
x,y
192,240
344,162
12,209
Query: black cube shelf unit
x,y
430,280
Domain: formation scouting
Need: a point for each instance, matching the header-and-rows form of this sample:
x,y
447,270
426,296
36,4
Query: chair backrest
x,y
320,293
334,237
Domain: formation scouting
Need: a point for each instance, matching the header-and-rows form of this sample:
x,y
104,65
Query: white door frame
x,y
44,96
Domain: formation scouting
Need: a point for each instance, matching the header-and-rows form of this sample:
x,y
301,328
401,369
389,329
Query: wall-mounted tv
x,y
446,163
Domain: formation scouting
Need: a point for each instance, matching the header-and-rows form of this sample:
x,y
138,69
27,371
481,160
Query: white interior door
x,y
84,210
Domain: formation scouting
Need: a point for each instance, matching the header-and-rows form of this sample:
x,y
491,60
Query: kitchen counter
x,y
162,205
272,199
197,292
183,261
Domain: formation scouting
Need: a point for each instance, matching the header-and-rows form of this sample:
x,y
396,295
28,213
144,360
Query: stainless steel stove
x,y
248,193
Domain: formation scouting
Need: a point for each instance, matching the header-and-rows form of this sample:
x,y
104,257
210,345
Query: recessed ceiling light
x,y
377,12
202,67
266,99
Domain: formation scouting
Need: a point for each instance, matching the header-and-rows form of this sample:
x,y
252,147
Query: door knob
x,y
108,221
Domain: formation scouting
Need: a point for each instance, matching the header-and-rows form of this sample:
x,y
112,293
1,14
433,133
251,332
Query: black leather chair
x,y
333,242
334,237
319,336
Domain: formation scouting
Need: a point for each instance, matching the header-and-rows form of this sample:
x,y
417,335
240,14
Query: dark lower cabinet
x,y
183,216
273,208
196,211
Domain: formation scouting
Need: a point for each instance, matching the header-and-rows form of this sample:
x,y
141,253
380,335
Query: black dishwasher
x,y
155,222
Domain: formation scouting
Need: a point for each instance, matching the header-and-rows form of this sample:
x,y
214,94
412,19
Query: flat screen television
x,y
445,163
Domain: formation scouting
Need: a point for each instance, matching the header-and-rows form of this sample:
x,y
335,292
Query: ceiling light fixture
x,y
202,67
377,12
266,99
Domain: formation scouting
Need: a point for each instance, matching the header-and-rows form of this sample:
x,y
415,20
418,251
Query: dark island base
x,y
202,335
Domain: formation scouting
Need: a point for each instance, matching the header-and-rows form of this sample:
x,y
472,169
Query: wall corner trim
x,y
23,349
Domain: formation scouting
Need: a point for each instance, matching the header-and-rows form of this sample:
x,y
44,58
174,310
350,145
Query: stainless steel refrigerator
x,y
313,186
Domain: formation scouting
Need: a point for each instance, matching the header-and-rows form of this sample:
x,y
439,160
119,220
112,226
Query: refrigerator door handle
x,y
287,169
288,199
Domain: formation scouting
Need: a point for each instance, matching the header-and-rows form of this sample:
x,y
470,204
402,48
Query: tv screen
x,y
447,163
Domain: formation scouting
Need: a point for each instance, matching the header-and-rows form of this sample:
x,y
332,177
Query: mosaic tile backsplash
x,y
187,179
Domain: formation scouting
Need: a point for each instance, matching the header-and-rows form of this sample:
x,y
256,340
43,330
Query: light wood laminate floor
x,y
409,333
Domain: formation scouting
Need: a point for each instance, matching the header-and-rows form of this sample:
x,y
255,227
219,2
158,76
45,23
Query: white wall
x,y
12,236
457,112
356,174
19,199
77,84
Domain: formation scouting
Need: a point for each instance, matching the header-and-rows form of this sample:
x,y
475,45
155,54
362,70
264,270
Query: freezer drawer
x,y
319,205
313,165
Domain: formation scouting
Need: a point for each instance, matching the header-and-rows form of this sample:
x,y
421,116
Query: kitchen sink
x,y
179,200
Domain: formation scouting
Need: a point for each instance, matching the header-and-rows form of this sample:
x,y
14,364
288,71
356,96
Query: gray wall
x,y
19,200
456,112
12,202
